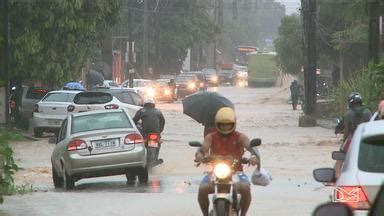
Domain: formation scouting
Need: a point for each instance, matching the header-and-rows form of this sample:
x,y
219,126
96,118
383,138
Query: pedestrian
x,y
295,92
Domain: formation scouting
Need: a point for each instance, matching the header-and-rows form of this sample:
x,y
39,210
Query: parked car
x,y
96,100
211,75
202,83
128,96
98,143
26,98
363,169
186,84
50,111
163,92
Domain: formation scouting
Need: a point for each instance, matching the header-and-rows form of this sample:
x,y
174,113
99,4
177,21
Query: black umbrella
x,y
202,106
94,78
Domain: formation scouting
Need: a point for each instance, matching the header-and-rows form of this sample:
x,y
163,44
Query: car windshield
x,y
59,97
226,71
113,84
371,155
142,83
209,71
92,98
185,78
100,121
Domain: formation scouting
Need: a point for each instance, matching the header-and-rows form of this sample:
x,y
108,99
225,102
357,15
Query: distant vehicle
x,y
51,110
142,86
128,96
211,75
240,75
110,84
226,73
96,100
363,169
186,84
262,69
202,80
242,54
98,143
163,92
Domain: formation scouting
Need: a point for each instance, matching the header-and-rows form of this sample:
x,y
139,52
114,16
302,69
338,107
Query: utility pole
x,y
6,60
310,59
157,42
215,39
234,10
374,31
220,22
145,39
130,65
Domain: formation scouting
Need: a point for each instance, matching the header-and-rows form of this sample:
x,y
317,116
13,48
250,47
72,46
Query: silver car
x,y
98,143
363,170
51,110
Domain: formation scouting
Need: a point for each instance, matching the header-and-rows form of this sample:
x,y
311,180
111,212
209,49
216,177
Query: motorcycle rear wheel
x,y
222,208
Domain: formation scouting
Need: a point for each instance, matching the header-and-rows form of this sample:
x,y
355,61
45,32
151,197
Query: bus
x,y
242,54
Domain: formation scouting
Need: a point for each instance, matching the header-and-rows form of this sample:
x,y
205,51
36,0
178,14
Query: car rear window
x,y
59,97
100,121
371,155
185,78
92,98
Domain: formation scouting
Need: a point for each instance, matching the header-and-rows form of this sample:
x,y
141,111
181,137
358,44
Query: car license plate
x,y
153,144
54,122
106,144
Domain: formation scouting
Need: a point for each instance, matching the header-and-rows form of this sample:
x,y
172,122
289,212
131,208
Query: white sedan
x,y
363,170
96,100
50,111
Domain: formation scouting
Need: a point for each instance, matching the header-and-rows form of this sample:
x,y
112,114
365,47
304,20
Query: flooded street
x,y
290,153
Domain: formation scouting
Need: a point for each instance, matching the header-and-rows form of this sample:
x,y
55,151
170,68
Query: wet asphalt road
x,y
288,153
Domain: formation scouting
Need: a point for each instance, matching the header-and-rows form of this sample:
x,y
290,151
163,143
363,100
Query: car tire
x,y
37,132
143,175
68,181
57,181
131,178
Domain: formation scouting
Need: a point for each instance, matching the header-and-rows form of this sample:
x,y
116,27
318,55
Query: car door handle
x,y
54,108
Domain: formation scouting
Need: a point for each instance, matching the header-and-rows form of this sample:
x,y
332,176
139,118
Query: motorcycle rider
x,y
226,141
355,115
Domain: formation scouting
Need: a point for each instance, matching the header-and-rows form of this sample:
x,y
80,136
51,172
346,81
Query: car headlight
x,y
167,92
192,85
215,79
222,170
150,92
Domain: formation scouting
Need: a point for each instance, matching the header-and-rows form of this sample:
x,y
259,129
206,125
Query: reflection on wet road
x,y
156,184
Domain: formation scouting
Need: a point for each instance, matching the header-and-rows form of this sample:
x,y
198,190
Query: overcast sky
x,y
291,5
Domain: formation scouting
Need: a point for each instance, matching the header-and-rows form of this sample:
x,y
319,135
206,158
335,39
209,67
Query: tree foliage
x,y
49,40
181,25
288,44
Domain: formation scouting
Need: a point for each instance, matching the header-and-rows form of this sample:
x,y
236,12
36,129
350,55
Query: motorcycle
x,y
152,142
226,201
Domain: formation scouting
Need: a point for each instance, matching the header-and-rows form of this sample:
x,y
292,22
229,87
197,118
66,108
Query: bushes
x,y
7,164
369,83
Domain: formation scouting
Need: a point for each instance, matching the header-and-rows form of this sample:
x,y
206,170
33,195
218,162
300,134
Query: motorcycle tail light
x,y
111,106
133,139
222,170
353,196
153,136
76,145
36,108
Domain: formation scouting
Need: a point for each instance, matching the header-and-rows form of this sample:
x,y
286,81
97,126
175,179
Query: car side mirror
x,y
333,209
195,144
338,155
325,175
255,142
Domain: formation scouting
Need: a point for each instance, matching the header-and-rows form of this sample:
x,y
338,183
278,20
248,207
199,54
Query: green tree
x,y
288,44
51,39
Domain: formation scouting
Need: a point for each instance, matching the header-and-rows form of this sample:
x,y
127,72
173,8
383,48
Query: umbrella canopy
x,y
73,86
202,106
94,78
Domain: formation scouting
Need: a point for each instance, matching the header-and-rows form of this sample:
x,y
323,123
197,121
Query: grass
x,y
262,67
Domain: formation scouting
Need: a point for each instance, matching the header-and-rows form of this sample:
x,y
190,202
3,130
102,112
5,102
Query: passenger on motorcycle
x,y
226,141
152,120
